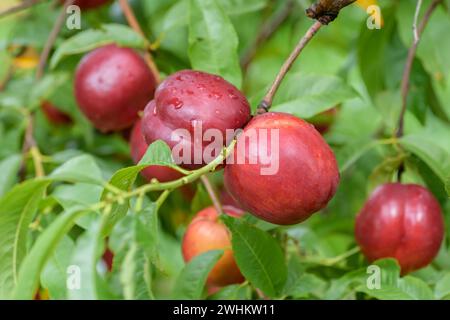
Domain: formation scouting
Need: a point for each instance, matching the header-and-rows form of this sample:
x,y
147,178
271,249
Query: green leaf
x,y
135,275
123,180
17,209
406,288
192,278
235,7
213,42
79,169
233,292
447,186
87,252
442,288
201,199
42,250
54,275
9,168
93,38
258,255
424,147
146,229
308,95
158,153
353,151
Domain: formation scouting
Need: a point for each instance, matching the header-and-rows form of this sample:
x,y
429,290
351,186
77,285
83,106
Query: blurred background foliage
x,y
346,65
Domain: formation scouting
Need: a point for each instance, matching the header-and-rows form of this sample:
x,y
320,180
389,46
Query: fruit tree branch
x,y
51,39
212,193
417,32
20,7
267,30
324,11
266,103
134,24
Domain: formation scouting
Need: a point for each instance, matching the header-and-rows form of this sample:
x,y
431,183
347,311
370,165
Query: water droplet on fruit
x,y
232,95
201,87
154,111
217,112
216,95
177,103
179,78
217,78
190,92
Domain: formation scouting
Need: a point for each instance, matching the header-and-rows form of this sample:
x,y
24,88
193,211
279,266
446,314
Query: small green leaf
x,y
233,292
42,250
192,278
442,288
17,209
93,38
79,169
158,153
258,255
213,42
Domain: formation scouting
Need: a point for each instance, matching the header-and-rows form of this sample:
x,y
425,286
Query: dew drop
x,y
232,95
177,103
216,95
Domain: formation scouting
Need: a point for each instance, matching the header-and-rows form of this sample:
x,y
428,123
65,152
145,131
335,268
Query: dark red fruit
x,y
324,120
188,99
108,258
206,232
401,221
111,85
88,4
138,147
54,115
227,200
307,175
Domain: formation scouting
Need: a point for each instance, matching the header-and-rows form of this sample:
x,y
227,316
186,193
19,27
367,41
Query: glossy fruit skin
x,y
401,221
54,115
187,97
89,4
138,147
307,175
111,85
206,232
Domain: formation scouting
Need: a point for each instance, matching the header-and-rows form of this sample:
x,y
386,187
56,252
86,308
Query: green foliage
x,y
92,197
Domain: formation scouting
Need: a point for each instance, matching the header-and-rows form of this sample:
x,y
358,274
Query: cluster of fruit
x,y
113,85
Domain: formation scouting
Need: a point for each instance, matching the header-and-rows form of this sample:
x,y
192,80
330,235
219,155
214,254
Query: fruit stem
x,y
266,103
212,194
417,32
22,6
51,39
134,24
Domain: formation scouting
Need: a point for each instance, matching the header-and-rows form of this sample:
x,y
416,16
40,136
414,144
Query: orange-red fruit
x,y
302,179
112,85
401,221
138,147
206,233
54,115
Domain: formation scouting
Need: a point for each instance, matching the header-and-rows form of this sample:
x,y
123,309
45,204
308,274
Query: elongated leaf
x,y
87,252
94,38
258,255
42,250
80,169
308,95
9,168
192,278
17,209
232,292
146,230
54,275
213,42
135,275
437,158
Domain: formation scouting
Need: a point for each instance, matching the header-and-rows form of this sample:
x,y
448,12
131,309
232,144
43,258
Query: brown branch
x,y
51,39
134,24
212,194
267,30
409,63
20,7
326,11
266,103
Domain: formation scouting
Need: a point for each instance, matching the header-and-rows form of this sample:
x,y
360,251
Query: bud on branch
x,y
326,11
